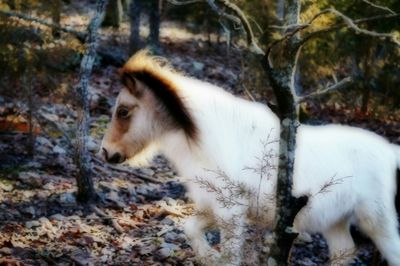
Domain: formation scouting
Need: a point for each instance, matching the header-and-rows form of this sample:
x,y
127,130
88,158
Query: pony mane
x,y
143,61
158,76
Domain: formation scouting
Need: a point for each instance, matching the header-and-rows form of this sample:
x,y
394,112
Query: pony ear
x,y
132,85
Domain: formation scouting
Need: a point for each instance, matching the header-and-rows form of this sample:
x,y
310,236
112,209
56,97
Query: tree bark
x,y
154,19
56,16
86,192
287,205
28,88
114,14
134,14
280,9
367,65
283,81
125,5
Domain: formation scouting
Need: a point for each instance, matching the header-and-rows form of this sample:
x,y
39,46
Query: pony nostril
x,y
105,154
116,158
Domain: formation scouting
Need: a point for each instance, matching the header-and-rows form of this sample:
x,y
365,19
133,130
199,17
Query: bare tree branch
x,y
337,86
126,170
80,35
293,29
287,28
238,18
350,23
251,40
248,93
221,13
181,3
293,74
340,25
379,6
377,17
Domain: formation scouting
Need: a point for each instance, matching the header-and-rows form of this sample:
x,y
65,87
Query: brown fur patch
x,y
156,77
118,127
122,127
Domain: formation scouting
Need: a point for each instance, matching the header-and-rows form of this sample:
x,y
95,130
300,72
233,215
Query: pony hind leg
x,y
340,243
381,227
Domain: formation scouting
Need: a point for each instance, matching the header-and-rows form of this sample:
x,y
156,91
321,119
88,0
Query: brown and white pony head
x,y
147,107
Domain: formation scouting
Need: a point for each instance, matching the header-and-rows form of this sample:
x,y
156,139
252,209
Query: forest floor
x,y
138,220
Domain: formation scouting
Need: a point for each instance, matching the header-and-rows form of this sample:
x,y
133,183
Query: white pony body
x,y
349,174
357,167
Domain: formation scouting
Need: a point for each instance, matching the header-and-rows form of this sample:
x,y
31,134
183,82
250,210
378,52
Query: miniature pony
x,y
208,133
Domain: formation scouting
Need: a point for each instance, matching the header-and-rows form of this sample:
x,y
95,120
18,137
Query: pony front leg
x,y
340,243
194,228
232,228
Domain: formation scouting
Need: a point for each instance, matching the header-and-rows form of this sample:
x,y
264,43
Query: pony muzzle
x,y
113,158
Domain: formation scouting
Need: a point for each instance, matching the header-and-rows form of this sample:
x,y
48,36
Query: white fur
x,y
232,134
361,164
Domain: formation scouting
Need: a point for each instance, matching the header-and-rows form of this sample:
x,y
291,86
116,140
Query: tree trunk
x,y
125,5
367,65
86,192
154,19
125,9
134,14
280,9
283,81
114,14
366,94
287,205
28,88
56,16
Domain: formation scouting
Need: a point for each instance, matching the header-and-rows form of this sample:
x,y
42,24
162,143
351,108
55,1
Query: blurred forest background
x,y
139,219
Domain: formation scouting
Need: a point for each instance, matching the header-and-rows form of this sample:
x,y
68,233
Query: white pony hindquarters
x,y
359,170
396,149
377,216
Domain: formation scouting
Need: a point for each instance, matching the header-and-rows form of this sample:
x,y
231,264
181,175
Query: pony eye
x,y
123,113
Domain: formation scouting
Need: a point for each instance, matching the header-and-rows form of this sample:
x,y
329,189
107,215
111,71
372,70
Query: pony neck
x,y
180,151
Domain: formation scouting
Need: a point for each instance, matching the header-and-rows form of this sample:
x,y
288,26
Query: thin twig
x,y
285,37
291,30
107,218
377,17
379,6
287,28
339,85
251,40
126,170
350,23
295,28
293,74
181,3
249,93
238,18
136,173
221,13
344,24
